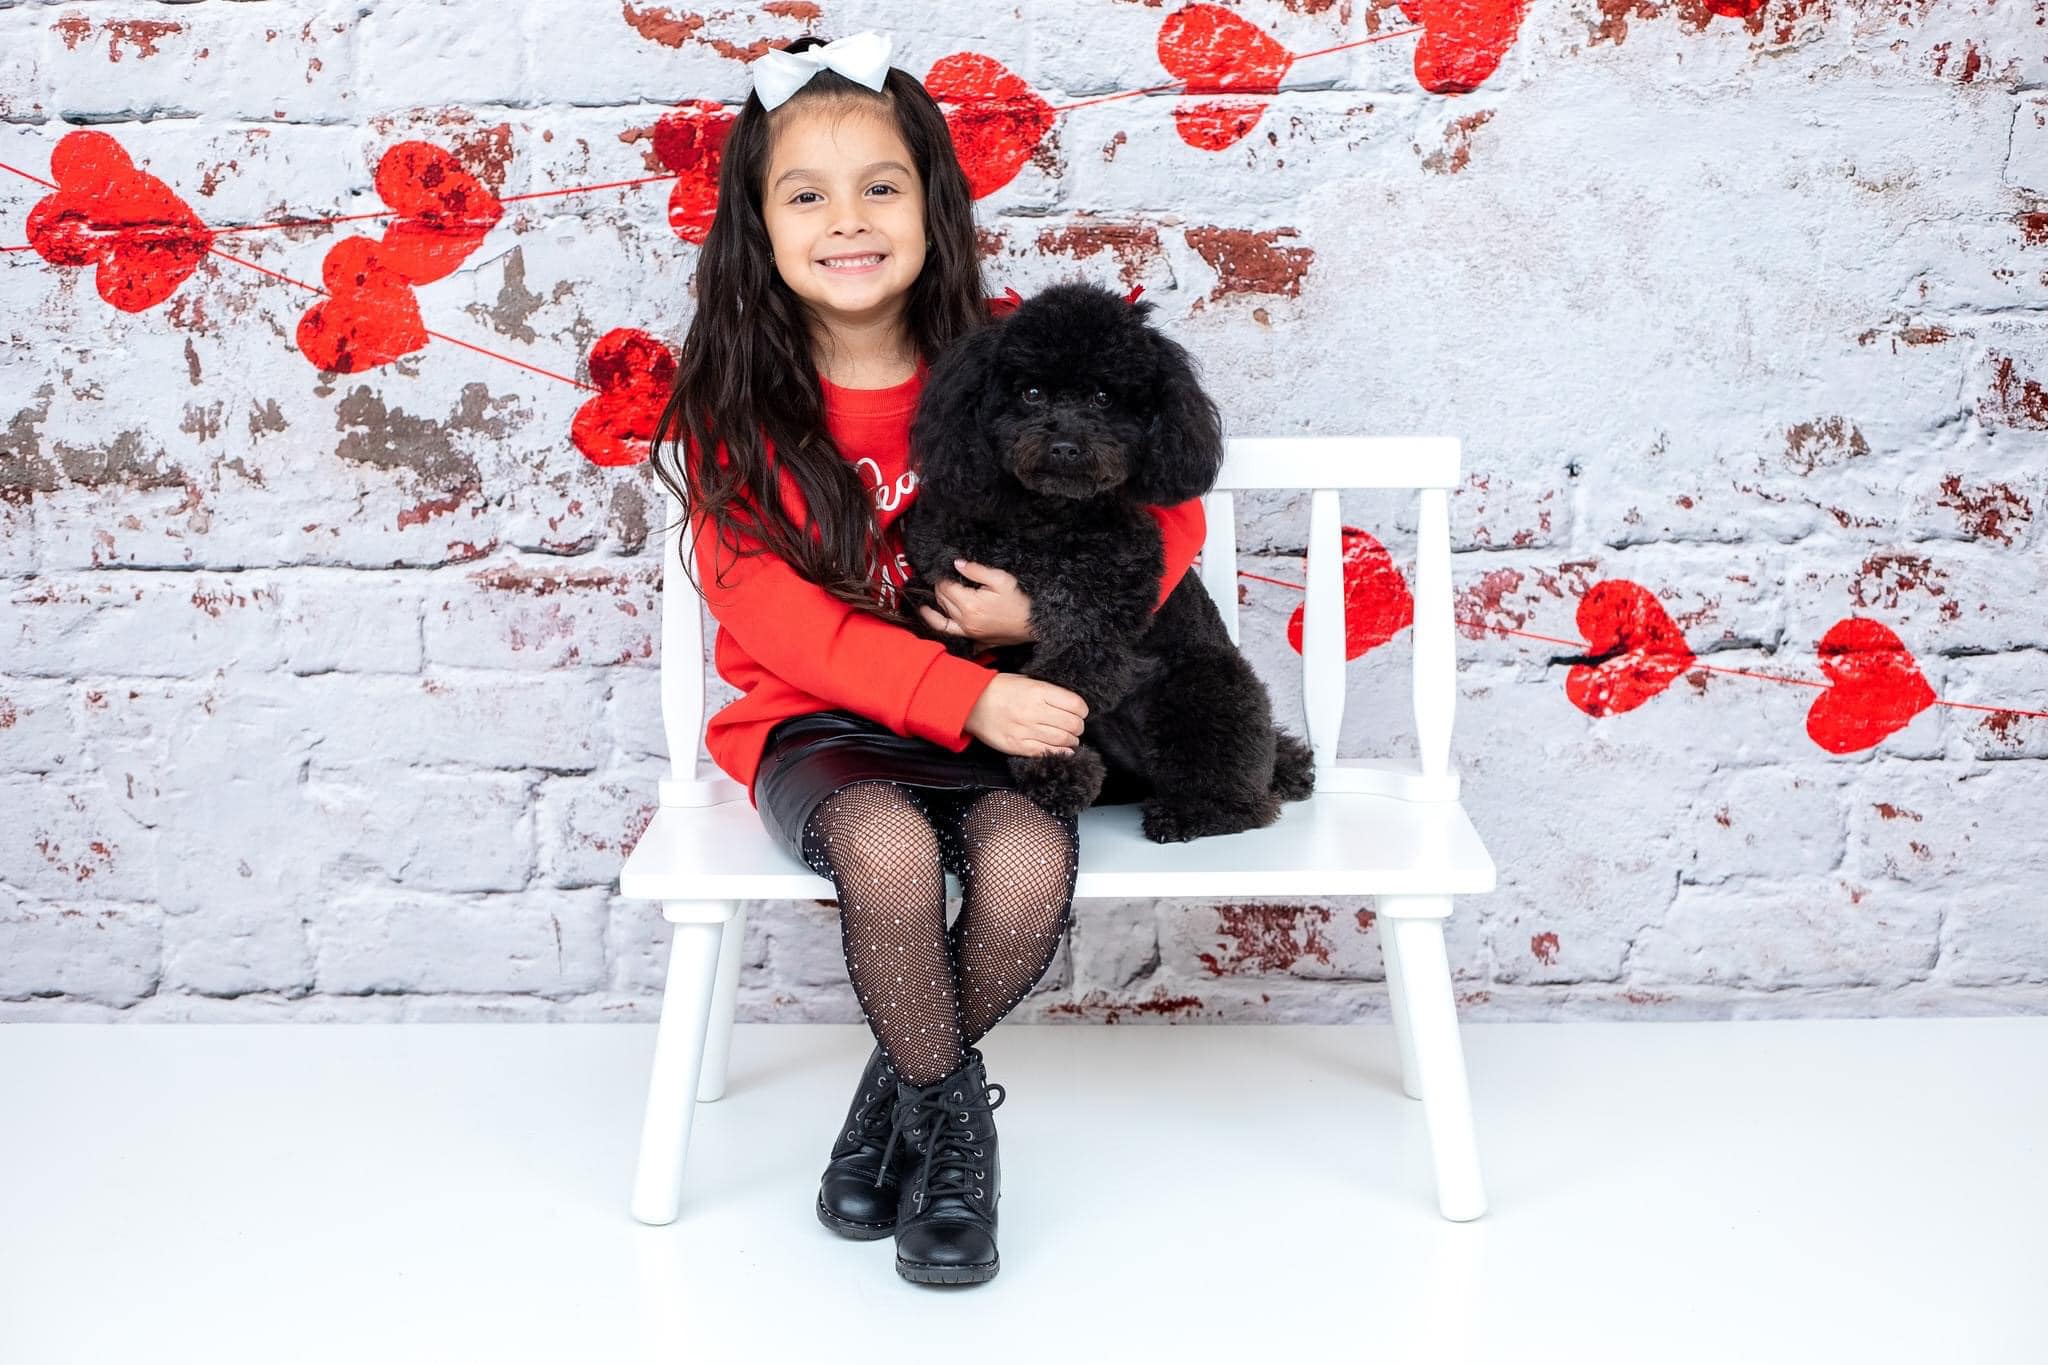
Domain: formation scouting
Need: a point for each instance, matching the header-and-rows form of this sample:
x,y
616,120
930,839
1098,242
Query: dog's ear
x,y
1184,450
949,437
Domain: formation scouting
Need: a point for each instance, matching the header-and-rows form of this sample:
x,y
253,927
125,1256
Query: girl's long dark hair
x,y
747,368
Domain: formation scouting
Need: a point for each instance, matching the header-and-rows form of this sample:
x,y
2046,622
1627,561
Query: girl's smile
x,y
865,264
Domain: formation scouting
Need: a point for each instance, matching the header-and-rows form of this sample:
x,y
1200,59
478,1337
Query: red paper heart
x,y
633,372
690,140
145,240
1876,687
1640,651
444,211
997,121
370,316
1211,51
1463,41
1377,603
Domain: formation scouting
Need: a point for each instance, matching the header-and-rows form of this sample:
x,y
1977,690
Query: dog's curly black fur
x,y
1038,442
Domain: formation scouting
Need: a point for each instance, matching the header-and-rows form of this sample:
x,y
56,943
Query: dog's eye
x,y
1101,399
1034,395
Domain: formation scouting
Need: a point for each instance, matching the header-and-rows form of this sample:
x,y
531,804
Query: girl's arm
x,y
996,612
834,651
1182,527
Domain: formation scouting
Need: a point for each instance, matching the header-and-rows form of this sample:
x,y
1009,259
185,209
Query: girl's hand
x,y
1027,717
988,609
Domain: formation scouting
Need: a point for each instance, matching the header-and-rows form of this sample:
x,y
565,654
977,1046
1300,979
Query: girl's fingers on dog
x,y
1072,702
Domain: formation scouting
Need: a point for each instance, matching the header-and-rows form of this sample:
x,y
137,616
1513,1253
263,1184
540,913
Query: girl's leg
x,y
1021,862
883,855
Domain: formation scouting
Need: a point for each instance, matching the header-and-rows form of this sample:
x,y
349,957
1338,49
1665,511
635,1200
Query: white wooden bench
x,y
1395,832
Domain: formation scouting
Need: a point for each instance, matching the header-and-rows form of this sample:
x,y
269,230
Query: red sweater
x,y
792,648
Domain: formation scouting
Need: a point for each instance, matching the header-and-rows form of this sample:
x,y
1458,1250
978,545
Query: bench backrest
x,y
1322,466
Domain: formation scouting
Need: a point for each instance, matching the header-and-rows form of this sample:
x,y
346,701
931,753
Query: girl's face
x,y
841,182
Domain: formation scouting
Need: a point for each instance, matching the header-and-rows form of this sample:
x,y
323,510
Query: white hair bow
x,y
862,57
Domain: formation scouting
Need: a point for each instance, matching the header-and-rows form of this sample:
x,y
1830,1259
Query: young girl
x,y
842,257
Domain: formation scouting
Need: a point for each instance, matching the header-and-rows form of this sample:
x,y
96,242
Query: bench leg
x,y
678,1064
1412,939
724,1001
1397,1007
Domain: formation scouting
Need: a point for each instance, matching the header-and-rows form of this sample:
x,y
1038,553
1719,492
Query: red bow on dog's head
x,y
1011,298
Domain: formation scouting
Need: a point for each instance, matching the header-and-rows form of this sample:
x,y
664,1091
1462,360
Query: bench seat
x,y
1332,844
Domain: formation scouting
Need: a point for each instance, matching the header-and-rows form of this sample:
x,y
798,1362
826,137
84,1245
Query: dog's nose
x,y
1064,451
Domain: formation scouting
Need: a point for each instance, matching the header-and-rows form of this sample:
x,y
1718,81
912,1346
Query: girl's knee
x,y
875,831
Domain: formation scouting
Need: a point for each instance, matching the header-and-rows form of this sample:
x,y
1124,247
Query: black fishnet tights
x,y
928,992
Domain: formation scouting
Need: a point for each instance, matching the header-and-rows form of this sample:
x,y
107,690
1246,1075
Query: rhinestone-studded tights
x,y
928,991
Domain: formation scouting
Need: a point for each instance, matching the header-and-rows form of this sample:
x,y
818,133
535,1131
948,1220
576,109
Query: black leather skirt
x,y
807,758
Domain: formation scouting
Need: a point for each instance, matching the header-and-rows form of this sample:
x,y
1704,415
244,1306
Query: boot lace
x,y
949,1152
872,1118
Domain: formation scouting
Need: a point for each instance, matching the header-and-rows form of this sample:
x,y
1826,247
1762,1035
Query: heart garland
x,y
1876,687
1377,603
996,120
145,240
1212,51
690,140
371,315
444,212
1463,41
634,372
1634,649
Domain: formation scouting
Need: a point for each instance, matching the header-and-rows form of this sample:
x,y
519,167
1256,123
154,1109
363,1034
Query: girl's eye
x,y
801,193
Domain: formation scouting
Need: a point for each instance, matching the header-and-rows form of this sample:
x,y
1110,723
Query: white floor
x,y
1853,1191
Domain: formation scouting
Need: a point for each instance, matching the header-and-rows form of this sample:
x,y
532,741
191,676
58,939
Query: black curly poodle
x,y
1038,441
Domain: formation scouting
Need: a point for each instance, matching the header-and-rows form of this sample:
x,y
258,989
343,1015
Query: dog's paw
x,y
1294,768
1165,822
1062,784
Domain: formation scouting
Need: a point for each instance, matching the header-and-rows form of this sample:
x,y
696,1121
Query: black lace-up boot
x,y
857,1193
949,1184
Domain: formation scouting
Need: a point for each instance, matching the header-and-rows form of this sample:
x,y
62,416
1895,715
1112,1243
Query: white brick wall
x,y
334,697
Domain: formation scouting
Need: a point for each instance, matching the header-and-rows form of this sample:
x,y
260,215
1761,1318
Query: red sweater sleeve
x,y
834,651
1183,527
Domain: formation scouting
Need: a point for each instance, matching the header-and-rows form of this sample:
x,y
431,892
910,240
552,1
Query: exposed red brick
x,y
1456,152
1249,261
142,33
1482,602
2015,400
1133,246
1986,509
1267,938
1886,575
1817,445
1098,1005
